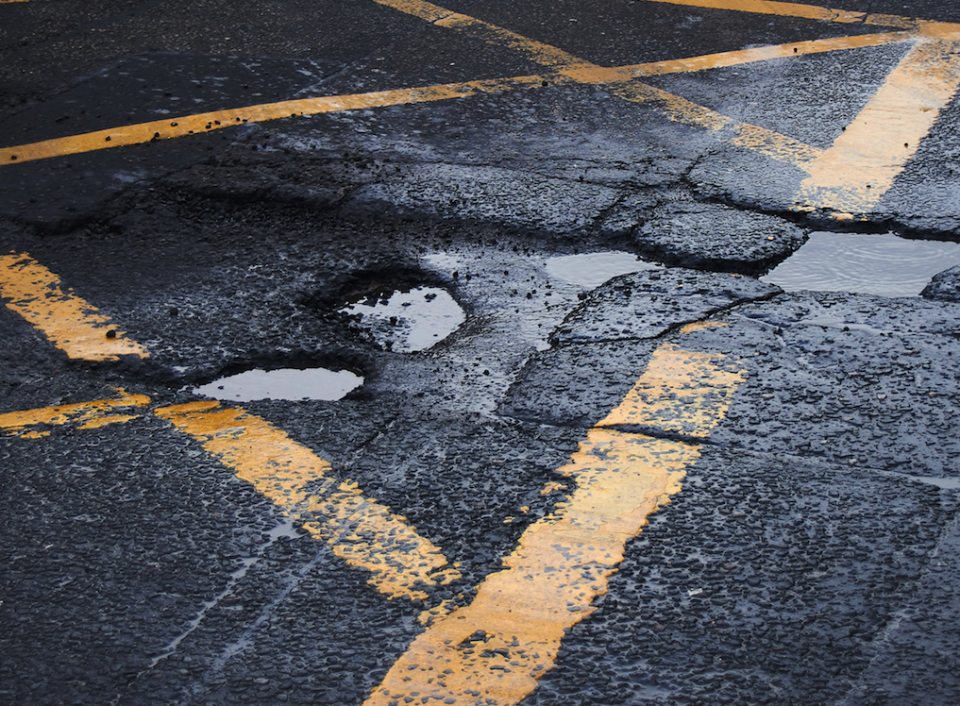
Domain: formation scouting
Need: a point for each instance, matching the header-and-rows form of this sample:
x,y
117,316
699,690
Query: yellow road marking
x,y
494,650
87,415
863,162
361,531
680,391
766,7
71,324
217,120
568,67
816,12
776,51
572,68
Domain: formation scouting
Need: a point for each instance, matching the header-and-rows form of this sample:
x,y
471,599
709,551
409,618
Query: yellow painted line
x,y
361,531
680,391
570,68
72,325
218,120
543,54
494,650
863,162
768,53
816,12
86,415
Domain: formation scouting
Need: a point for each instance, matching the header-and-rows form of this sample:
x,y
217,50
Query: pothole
x,y
282,384
593,269
407,321
886,265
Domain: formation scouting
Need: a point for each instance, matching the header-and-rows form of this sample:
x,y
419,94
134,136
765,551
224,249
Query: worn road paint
x,y
359,530
493,651
860,167
70,323
680,391
570,68
932,28
767,53
86,415
218,120
784,9
565,68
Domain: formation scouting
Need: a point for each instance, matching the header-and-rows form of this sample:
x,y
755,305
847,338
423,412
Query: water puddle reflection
x,y
408,321
593,269
283,384
864,264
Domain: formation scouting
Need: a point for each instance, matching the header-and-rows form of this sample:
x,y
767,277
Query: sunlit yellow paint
x,y
86,415
943,30
572,68
493,651
766,7
218,120
564,67
72,325
680,391
360,530
863,162
703,325
767,53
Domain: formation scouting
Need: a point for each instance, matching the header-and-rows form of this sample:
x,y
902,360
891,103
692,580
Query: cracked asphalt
x,y
606,221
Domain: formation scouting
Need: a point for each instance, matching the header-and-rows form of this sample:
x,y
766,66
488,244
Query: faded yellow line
x,y
494,650
217,120
86,415
71,324
569,67
543,54
768,53
572,68
361,531
680,391
863,162
816,12
784,9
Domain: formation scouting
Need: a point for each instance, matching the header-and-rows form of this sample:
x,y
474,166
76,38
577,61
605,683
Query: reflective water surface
x,y
593,269
864,264
283,384
409,321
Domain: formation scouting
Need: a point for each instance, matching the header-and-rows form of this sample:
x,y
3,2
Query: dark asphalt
x,y
813,555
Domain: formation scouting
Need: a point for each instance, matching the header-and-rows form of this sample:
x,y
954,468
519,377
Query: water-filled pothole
x,y
864,264
282,384
593,269
407,321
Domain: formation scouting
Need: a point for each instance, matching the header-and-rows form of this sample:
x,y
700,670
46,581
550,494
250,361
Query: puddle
x,y
593,269
409,321
283,384
945,483
864,264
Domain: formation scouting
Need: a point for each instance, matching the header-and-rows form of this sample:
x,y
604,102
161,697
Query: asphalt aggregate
x,y
812,554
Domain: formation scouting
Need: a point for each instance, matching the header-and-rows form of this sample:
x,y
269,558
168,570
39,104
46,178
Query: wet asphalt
x,y
813,554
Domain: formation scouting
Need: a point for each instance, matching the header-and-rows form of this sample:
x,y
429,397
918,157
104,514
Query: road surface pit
x,y
593,269
282,384
407,321
886,265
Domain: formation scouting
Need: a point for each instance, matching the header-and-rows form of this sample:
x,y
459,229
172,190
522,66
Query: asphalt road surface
x,y
378,352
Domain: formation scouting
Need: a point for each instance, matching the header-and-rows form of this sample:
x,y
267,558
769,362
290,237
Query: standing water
x,y
864,264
